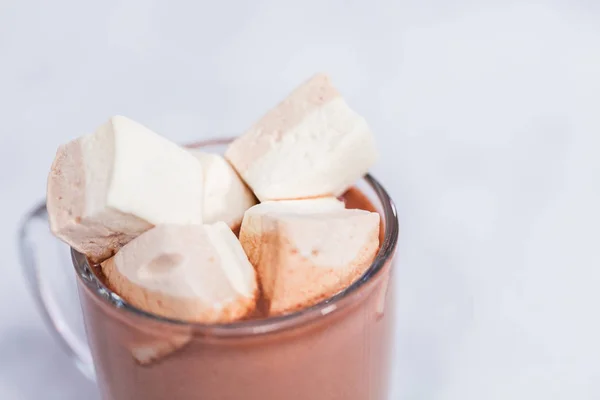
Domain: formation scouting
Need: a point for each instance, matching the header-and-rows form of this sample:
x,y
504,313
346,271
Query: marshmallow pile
x,y
178,232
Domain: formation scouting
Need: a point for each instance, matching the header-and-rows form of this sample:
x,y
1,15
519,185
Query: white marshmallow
x,y
311,144
106,188
155,349
196,273
307,250
226,196
253,218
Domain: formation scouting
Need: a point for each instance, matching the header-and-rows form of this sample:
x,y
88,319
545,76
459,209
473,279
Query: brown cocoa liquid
x,y
343,355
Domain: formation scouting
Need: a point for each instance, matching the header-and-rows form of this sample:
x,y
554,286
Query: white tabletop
x,y
488,121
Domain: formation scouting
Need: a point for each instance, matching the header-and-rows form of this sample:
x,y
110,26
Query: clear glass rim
x,y
266,325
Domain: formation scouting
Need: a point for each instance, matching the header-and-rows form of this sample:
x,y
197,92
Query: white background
x,y
487,115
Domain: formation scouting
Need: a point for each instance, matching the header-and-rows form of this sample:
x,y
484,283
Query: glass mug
x,y
338,349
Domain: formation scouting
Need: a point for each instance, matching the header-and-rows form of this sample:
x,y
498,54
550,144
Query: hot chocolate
x,y
343,355
292,308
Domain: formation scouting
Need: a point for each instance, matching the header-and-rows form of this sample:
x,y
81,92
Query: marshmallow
x,y
226,196
310,145
195,273
153,350
106,188
305,251
252,222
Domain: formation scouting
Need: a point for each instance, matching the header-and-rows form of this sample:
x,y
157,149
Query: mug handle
x,y
50,299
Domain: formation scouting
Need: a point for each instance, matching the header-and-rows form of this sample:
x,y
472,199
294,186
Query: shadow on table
x,y
33,367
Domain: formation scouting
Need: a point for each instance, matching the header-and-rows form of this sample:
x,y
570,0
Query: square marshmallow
x,y
310,145
196,273
305,251
226,196
106,188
